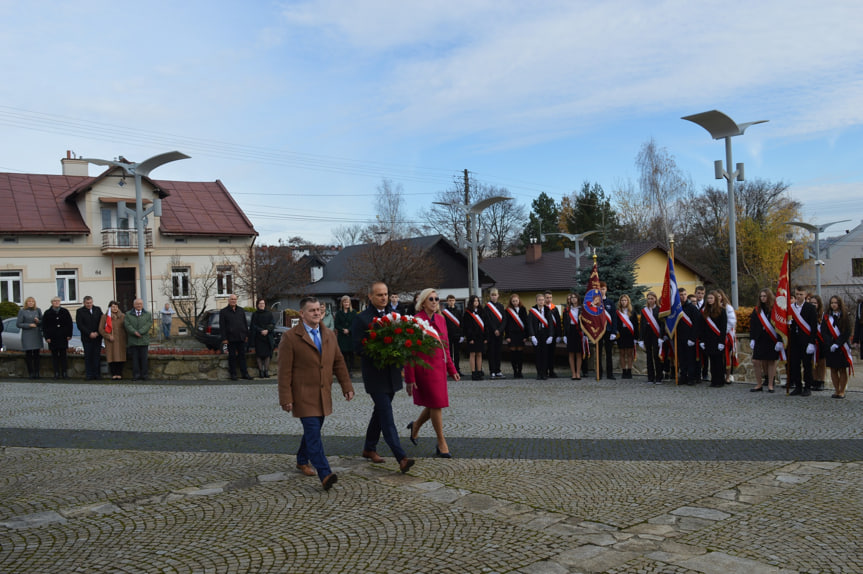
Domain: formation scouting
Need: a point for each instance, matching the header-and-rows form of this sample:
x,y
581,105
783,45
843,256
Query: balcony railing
x,y
123,240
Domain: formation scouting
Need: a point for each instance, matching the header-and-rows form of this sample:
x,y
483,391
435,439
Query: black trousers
x,y
606,346
797,358
540,357
140,363
654,365
237,358
454,352
717,369
495,347
58,358
92,356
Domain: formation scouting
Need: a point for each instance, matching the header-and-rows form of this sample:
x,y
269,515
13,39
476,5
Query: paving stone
x,y
721,563
705,513
33,520
95,508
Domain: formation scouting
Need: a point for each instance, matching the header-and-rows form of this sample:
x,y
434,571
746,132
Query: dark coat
x,y
708,337
57,327
492,323
765,346
344,320
232,323
375,380
514,332
306,375
263,321
535,328
88,321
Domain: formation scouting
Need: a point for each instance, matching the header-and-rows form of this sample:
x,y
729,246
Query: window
x,y
857,268
10,286
180,281
67,285
224,280
111,220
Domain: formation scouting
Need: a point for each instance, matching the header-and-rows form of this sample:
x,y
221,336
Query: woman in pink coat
x,y
428,386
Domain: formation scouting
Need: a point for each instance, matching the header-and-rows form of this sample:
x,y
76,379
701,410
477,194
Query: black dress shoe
x,y
329,481
405,464
440,454
795,392
411,428
756,390
806,392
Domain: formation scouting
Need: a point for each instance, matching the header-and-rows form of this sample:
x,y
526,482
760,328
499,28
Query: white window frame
x,y
9,279
67,284
224,280
181,281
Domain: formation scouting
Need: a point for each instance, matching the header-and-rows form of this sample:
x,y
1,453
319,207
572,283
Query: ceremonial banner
x,y
593,317
779,314
670,306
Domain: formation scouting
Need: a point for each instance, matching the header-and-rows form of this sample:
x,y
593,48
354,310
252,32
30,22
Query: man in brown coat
x,y
309,355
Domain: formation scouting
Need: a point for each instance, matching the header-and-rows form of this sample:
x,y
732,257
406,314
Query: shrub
x,y
8,309
743,315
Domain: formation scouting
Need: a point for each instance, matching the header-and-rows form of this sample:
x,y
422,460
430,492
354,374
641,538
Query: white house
x,y
842,269
61,235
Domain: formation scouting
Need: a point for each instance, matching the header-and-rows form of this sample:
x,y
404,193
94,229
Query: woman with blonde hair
x,y
30,323
625,326
429,385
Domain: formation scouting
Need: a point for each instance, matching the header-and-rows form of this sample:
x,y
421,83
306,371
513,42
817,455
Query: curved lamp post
x,y
817,230
721,126
139,215
575,238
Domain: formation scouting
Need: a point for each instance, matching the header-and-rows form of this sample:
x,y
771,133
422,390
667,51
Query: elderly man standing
x,y
138,323
235,334
380,384
308,356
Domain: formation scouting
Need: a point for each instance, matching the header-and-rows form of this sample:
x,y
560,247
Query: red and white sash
x,y
713,327
551,314
686,319
514,316
624,318
770,330
451,316
493,308
846,349
478,319
573,317
800,321
539,317
651,320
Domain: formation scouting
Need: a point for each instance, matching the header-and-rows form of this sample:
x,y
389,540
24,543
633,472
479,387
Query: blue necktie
x,y
317,339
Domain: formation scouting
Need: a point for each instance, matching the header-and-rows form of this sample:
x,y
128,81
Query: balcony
x,y
124,240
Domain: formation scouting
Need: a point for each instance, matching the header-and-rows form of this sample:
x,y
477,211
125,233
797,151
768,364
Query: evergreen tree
x,y
544,218
587,210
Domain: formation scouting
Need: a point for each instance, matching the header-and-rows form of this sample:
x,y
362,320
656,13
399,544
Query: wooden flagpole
x,y
674,333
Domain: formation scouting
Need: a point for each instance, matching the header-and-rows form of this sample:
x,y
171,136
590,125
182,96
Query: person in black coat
x,y
87,318
626,327
651,333
453,329
606,344
475,335
262,326
556,328
540,329
235,334
836,331
687,364
802,340
573,337
516,334
380,384
57,330
764,341
494,316
712,335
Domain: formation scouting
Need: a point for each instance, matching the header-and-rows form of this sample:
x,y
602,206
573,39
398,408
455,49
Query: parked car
x,y
208,331
12,337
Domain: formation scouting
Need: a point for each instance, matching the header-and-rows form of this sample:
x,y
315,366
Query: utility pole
x,y
468,221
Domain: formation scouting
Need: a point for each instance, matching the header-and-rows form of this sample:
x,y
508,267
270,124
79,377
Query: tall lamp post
x,y
139,215
721,126
817,230
473,210
576,238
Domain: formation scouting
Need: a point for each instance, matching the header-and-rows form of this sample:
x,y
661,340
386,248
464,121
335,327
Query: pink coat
x,y
431,389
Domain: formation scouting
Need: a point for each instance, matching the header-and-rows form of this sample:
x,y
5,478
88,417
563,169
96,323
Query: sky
x,y
302,108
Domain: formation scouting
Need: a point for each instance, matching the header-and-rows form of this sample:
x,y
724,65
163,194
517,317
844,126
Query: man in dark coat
x,y
380,384
802,333
87,318
235,334
57,330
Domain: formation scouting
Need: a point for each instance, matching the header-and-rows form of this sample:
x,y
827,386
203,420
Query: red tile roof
x,y
33,204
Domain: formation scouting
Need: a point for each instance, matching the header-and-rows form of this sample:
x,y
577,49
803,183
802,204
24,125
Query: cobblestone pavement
x,y
549,477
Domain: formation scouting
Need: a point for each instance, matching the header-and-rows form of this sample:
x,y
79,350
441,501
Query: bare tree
x,y
661,185
345,235
273,270
190,294
402,266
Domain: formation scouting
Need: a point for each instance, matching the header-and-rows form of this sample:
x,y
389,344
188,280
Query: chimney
x,y
74,166
533,253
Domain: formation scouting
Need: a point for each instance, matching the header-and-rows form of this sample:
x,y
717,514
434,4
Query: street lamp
x,y
139,215
473,210
576,238
721,126
817,230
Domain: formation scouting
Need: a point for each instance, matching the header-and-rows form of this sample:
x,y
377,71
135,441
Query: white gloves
x,y
833,347
612,337
564,340
702,346
720,346
752,345
641,345
461,339
559,339
549,340
810,349
779,347
534,341
690,343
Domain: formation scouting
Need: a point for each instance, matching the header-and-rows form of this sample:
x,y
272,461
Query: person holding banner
x,y
474,331
650,337
515,334
836,330
540,329
624,326
764,341
573,338
494,316
713,337
801,343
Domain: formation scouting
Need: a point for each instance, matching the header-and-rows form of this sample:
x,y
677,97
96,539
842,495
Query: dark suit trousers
x,y
495,347
605,346
797,357
92,354
382,422
138,353
454,352
237,358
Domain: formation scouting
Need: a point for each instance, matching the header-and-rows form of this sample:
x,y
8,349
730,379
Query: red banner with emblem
x,y
593,317
779,314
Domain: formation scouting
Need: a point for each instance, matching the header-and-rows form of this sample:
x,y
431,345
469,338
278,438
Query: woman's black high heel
x,y
440,454
411,428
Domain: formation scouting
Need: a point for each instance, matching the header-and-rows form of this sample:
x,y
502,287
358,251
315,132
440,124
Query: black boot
x,y
28,361
36,366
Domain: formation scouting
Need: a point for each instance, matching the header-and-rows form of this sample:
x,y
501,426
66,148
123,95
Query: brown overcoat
x,y
306,376
115,341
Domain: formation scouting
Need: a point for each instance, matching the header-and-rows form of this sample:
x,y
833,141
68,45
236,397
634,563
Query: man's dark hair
x,y
306,300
